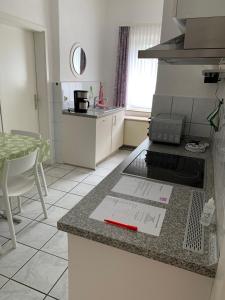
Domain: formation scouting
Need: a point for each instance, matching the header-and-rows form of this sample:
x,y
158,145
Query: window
x,y
142,73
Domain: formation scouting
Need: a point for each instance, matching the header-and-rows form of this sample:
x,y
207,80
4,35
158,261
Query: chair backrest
x,y
35,135
20,165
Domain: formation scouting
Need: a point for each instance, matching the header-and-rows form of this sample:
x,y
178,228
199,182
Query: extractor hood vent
x,y
203,43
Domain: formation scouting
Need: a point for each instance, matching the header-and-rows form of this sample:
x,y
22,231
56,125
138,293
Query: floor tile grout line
x,y
50,297
50,205
56,283
67,174
12,279
65,193
49,241
21,228
23,264
41,250
8,279
32,220
7,239
37,251
57,176
60,198
91,172
79,182
69,192
39,221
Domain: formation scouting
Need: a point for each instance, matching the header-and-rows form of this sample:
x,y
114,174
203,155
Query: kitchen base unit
x,y
86,141
98,271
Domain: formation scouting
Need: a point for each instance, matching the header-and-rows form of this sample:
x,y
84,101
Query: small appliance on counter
x,y
81,104
167,128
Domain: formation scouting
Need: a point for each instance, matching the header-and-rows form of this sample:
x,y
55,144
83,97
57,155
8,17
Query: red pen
x,y
130,227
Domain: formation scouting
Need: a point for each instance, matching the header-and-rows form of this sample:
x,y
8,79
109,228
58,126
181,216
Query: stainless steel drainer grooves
x,y
194,232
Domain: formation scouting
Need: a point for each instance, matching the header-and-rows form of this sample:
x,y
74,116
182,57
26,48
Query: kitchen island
x,y
113,263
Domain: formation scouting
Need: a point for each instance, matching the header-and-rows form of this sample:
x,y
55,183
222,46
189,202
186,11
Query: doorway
x,y
18,84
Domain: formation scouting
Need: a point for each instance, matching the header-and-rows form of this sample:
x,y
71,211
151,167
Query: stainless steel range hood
x,y
203,43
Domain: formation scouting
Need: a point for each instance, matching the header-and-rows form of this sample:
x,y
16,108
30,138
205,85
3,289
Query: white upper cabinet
x,y
200,8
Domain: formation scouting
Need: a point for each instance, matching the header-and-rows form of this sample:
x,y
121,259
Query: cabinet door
x,y
117,130
103,138
78,141
200,8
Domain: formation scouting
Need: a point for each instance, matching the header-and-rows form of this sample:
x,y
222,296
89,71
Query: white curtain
x,y
142,73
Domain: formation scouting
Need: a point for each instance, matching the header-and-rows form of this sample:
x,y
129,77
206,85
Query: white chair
x,y
36,136
14,184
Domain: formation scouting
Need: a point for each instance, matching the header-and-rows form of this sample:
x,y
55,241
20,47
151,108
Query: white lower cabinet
x,y
98,271
87,141
103,138
117,130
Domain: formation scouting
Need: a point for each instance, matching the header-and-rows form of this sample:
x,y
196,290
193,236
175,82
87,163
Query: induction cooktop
x,y
168,167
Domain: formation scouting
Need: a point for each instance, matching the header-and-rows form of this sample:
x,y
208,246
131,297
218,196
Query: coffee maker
x,y
81,104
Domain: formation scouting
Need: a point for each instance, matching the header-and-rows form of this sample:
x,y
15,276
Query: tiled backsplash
x,y
196,111
69,87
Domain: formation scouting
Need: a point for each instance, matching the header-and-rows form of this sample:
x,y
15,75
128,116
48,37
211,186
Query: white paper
x,y
145,189
147,218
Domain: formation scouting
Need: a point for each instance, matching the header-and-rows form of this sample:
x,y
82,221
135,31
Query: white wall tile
x,y
201,109
161,104
200,130
183,106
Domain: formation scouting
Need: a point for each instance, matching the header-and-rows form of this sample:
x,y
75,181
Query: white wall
x,y
37,12
124,13
41,14
219,179
83,22
179,80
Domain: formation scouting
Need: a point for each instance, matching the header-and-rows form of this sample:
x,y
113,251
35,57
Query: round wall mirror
x,y
77,60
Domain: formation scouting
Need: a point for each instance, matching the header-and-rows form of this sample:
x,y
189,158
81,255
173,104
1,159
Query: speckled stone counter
x,y
94,112
168,247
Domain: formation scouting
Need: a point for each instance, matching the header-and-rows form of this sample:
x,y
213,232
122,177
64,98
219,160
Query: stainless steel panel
x,y
202,44
197,53
207,33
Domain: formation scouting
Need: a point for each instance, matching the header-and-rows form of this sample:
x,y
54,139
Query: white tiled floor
x,y
37,268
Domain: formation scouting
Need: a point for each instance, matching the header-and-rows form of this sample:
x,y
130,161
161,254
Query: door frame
x,y
41,66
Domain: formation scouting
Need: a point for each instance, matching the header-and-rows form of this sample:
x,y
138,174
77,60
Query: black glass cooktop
x,y
168,167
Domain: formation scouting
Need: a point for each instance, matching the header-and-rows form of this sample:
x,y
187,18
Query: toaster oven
x,y
167,128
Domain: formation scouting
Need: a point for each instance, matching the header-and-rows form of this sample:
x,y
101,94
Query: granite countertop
x,y
168,247
94,112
